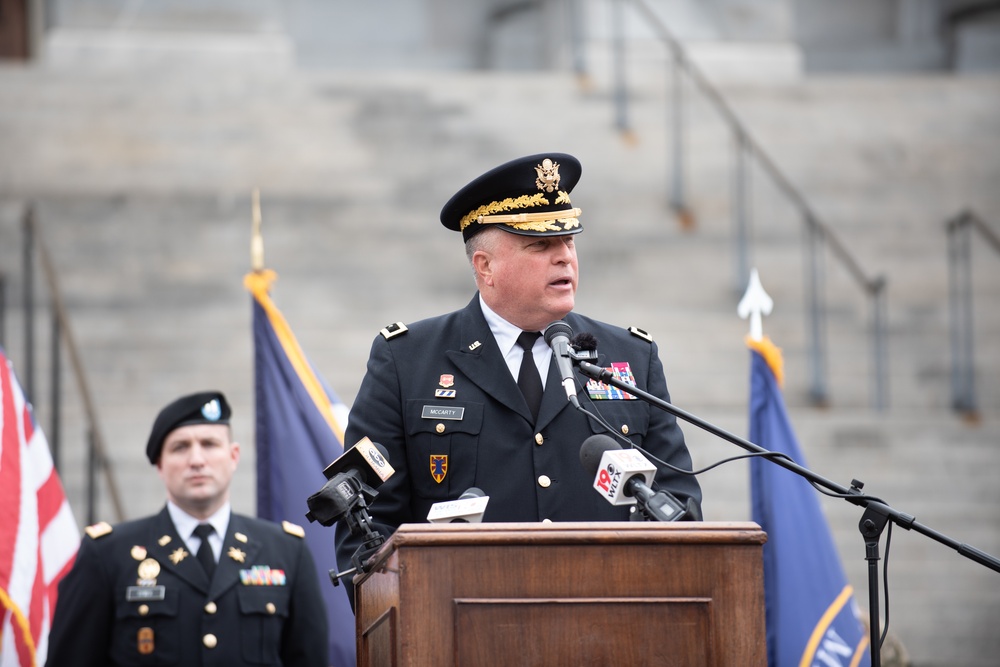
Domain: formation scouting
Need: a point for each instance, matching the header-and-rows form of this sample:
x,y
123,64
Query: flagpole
x,y
256,238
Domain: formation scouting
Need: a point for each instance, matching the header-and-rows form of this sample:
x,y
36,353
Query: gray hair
x,y
484,240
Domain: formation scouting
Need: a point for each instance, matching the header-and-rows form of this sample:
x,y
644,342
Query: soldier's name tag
x,y
145,593
442,412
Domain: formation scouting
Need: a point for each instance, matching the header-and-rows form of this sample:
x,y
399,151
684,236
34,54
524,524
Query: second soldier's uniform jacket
x,y
137,596
439,397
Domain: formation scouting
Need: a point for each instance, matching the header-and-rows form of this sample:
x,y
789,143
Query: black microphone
x,y
353,478
623,476
584,342
557,337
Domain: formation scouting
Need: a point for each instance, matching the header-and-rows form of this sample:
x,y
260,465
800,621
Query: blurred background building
x,y
848,150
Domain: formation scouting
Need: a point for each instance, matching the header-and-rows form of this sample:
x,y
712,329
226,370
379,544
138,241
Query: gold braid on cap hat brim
x,y
541,221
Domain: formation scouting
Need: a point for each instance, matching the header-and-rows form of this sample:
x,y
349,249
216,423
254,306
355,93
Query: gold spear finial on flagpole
x,y
256,240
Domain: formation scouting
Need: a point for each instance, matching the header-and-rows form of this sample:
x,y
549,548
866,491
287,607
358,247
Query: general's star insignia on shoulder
x,y
394,329
98,530
293,529
639,333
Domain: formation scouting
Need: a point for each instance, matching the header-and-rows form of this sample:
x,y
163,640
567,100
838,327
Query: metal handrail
x,y
819,235
61,328
963,374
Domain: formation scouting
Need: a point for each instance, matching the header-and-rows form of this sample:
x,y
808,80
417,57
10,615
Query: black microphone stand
x,y
876,515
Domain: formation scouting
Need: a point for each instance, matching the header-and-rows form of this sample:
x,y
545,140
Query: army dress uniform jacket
x,y
262,607
440,398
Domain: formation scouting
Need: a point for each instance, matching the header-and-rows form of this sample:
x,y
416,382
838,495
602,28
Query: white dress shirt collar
x,y
506,335
185,524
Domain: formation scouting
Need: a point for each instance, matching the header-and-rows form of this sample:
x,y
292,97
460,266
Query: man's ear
x,y
482,262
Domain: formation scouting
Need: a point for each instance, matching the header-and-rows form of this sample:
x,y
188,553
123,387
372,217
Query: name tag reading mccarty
x,y
442,412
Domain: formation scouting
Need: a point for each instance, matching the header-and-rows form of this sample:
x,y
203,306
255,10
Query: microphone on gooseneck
x,y
557,337
624,476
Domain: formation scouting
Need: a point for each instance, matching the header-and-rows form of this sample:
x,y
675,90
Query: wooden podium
x,y
555,594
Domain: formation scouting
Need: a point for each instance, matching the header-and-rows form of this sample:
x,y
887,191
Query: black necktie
x,y
205,555
528,379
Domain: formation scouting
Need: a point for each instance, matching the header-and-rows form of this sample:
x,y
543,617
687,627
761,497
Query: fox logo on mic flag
x,y
812,617
38,534
299,432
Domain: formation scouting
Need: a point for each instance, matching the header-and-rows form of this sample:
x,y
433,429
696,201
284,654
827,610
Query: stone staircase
x,y
142,180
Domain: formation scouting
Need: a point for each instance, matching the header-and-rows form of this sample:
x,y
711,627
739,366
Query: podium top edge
x,y
608,532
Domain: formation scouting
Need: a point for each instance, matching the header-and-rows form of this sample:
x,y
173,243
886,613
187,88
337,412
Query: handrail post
x,y
814,306
618,50
576,27
28,287
3,310
741,213
678,200
963,384
879,300
90,409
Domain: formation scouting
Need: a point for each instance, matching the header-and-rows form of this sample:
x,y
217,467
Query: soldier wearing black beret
x,y
510,430
195,584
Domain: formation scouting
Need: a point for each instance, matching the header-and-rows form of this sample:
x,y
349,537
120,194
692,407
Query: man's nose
x,y
563,253
197,455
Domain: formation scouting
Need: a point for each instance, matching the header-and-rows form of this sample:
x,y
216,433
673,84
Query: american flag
x,y
38,534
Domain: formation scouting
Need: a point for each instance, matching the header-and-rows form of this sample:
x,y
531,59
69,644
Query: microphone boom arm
x,y
877,514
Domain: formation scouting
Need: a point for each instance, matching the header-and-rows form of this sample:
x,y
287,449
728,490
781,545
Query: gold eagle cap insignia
x,y
548,175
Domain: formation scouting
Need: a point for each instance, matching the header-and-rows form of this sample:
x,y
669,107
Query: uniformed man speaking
x,y
473,398
195,584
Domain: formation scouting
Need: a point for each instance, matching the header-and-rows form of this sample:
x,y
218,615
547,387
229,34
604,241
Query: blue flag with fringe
x,y
812,617
299,432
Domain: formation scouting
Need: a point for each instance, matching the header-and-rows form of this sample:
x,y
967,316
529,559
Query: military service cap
x,y
528,196
206,407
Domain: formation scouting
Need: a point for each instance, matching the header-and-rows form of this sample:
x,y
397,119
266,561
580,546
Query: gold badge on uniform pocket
x,y
144,641
149,570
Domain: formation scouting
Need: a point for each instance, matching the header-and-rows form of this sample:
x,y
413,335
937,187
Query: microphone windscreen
x,y
472,492
593,449
555,329
584,341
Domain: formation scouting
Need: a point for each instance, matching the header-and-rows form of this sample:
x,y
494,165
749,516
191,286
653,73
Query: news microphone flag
x,y
299,432
812,617
617,467
38,534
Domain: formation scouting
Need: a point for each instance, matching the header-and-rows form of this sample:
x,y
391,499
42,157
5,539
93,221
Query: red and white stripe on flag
x,y
38,534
